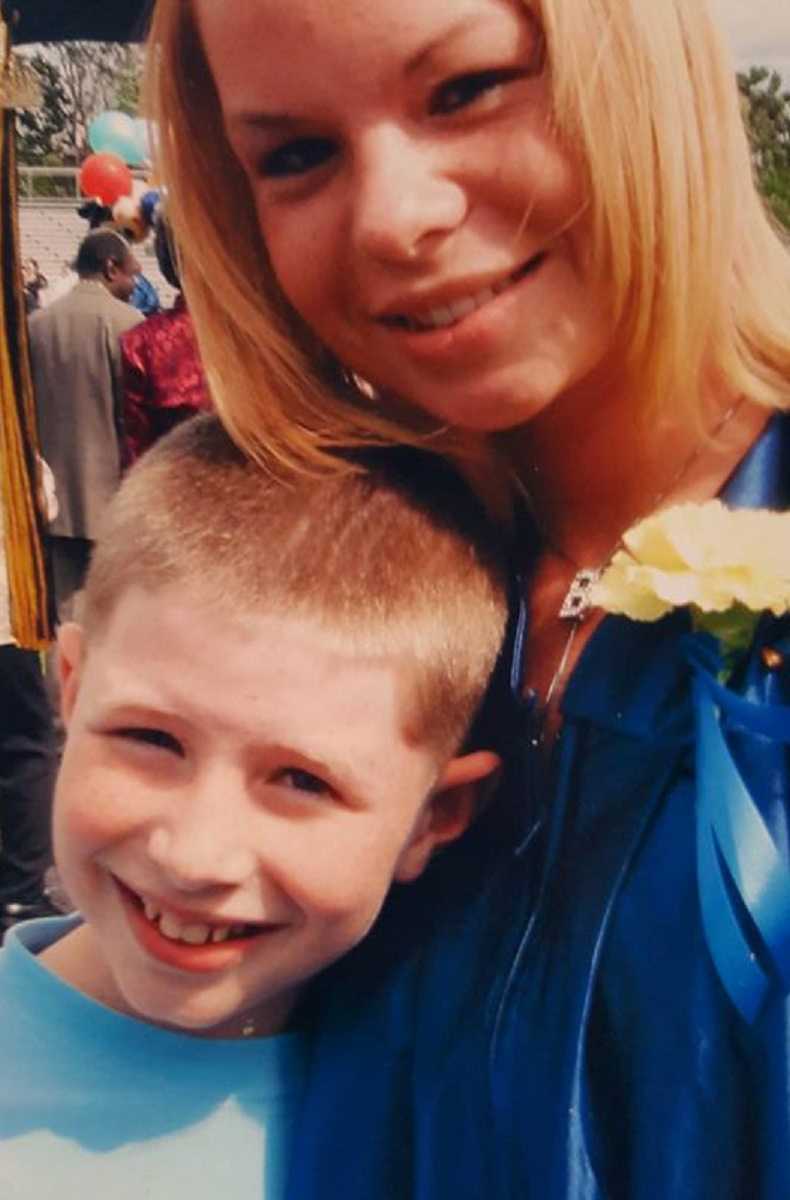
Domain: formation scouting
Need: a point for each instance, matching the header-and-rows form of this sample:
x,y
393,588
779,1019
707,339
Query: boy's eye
x,y
464,90
151,737
296,157
302,781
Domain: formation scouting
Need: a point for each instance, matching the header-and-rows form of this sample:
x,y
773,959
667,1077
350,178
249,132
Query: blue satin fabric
x,y
742,876
547,1023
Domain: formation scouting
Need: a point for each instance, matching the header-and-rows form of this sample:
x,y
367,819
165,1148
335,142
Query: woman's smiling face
x,y
419,214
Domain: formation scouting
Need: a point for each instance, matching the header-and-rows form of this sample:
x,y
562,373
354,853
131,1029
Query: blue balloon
x,y
114,133
149,202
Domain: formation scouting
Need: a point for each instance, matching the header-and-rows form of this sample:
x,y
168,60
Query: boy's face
x,y
235,799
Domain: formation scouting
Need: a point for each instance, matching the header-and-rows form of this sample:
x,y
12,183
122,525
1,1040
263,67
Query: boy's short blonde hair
x,y
644,98
394,556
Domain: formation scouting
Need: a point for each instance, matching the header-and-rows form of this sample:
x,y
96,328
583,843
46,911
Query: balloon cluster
x,y
118,142
126,137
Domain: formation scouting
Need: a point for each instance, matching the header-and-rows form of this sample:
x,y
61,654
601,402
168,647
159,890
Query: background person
x,y
534,231
28,761
163,381
33,282
27,749
144,296
75,357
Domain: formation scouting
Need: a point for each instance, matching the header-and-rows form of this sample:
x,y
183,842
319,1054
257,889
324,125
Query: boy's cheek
x,y
334,933
89,808
330,900
344,904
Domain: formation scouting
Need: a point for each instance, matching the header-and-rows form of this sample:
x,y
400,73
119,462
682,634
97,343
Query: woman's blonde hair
x,y
644,97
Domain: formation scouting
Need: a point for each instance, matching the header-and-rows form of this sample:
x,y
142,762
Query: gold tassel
x,y
18,436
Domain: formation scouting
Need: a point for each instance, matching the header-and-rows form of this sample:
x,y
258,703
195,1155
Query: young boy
x,y
266,707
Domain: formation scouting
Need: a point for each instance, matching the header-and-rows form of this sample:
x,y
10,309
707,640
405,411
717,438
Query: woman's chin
x,y
489,411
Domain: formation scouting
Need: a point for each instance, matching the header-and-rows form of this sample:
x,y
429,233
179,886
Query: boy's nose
x,y
202,844
403,201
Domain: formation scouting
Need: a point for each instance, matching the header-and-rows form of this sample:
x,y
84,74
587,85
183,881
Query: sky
x,y
759,31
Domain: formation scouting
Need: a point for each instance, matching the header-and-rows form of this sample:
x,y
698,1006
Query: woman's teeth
x,y
194,933
439,318
451,314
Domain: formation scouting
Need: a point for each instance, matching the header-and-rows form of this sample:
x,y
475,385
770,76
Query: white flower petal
x,y
701,554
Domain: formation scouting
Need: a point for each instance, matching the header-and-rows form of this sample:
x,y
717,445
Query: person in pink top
x,y
164,381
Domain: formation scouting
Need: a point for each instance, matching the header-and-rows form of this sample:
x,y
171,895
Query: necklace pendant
x,y
248,1028
577,602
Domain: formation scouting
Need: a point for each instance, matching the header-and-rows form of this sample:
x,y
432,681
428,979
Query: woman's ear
x,y
70,654
448,812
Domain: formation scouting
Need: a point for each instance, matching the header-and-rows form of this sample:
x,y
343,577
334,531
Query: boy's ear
x,y
70,653
448,812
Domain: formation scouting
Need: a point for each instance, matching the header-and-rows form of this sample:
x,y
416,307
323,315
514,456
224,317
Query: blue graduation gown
x,y
540,1017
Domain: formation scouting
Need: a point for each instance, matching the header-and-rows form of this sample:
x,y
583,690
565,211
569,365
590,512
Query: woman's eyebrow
x,y
263,121
463,25
447,35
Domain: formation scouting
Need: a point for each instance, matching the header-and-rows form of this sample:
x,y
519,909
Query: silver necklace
x,y
577,601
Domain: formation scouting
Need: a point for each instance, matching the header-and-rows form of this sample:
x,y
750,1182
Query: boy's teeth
x,y
196,935
170,925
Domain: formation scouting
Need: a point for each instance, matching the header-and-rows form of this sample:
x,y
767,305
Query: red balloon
x,y
105,177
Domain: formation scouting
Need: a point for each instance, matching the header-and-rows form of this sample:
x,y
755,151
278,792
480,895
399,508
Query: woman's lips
x,y
454,312
474,336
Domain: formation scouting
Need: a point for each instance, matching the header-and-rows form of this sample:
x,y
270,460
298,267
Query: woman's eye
x,y
464,90
302,781
296,157
150,737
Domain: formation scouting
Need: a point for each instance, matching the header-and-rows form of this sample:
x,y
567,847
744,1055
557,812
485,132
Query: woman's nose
x,y
404,201
201,842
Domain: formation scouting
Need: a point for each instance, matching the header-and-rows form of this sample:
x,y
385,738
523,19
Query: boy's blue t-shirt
x,y
95,1103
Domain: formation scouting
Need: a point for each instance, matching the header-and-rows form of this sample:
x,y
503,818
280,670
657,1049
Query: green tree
x,y
766,110
79,81
41,130
127,91
776,188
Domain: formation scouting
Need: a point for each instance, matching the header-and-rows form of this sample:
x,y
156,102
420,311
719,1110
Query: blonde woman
x,y
528,235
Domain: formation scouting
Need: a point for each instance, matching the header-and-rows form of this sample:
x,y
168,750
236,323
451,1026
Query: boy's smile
x,y
190,942
236,797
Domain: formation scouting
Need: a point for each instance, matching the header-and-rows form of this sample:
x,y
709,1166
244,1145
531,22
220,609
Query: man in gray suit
x,y
76,361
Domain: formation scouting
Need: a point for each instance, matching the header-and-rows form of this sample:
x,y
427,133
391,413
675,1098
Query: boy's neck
x,y
76,959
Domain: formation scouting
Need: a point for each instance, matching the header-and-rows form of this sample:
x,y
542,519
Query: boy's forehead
x,y
256,675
